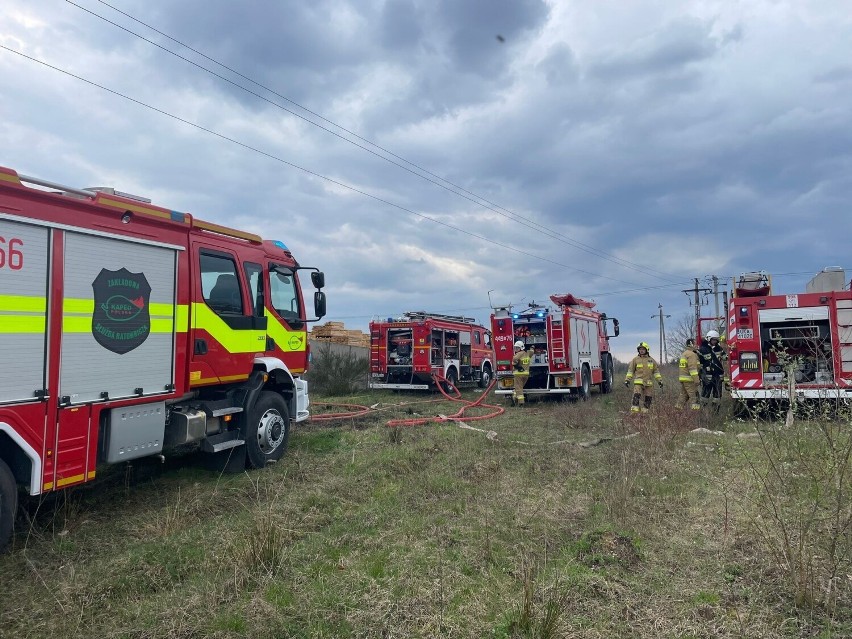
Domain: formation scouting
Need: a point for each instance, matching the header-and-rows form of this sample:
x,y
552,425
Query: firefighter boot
x,y
635,407
696,402
647,405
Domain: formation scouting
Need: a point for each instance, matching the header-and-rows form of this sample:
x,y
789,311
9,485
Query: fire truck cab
x,y
800,343
411,351
129,329
569,343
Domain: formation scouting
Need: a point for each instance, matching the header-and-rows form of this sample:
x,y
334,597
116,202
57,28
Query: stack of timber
x,y
335,333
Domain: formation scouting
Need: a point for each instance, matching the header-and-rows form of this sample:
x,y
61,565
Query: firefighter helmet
x,y
519,344
712,335
644,345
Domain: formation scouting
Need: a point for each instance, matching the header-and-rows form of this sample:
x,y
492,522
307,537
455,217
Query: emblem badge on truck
x,y
121,320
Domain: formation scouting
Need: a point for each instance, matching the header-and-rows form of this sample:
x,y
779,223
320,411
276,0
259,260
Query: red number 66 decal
x,y
11,255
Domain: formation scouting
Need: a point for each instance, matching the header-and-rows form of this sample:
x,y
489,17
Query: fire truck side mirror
x,y
615,329
319,303
318,280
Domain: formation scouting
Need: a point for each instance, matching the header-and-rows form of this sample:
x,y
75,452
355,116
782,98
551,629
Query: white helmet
x,y
711,335
519,344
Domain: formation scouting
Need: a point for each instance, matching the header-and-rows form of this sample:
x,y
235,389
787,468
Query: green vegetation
x,y
552,520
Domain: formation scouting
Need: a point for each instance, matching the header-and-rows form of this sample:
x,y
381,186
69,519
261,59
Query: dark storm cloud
x,y
473,25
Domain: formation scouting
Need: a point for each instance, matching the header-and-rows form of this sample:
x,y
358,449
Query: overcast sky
x,y
425,152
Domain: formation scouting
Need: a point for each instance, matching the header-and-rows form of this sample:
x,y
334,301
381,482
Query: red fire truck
x,y
128,329
797,341
570,346
411,351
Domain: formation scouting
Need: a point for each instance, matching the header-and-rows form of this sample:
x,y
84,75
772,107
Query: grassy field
x,y
552,520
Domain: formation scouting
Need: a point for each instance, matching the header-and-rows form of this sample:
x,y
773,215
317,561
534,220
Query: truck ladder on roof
x,y
423,315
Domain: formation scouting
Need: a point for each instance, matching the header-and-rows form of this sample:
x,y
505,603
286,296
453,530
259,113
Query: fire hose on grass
x,y
357,410
440,381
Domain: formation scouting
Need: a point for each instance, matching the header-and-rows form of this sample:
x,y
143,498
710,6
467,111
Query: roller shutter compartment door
x,y
23,309
118,319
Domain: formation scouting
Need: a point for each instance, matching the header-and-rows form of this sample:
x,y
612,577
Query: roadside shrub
x,y
801,507
337,371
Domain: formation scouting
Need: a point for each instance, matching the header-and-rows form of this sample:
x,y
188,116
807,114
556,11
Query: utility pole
x,y
721,313
696,291
716,296
662,334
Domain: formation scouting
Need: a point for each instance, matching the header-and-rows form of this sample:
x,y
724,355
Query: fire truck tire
x,y
486,377
8,504
743,409
585,388
607,383
268,430
452,379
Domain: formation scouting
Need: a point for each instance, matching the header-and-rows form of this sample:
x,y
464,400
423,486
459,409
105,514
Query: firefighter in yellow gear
x,y
642,372
688,377
521,365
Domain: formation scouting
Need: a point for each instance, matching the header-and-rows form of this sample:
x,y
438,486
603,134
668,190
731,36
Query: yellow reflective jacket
x,y
521,362
643,370
688,365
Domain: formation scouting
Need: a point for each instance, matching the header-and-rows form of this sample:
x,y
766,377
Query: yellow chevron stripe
x,y
286,340
234,341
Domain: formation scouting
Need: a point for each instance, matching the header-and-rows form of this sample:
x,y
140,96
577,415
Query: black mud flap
x,y
230,461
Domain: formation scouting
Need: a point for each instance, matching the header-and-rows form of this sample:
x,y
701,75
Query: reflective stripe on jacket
x,y
644,369
688,366
521,362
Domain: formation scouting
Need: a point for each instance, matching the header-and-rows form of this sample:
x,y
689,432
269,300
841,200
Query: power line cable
x,y
456,189
308,171
483,308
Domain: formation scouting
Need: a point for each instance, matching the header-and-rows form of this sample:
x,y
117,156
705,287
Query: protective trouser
x,y
518,391
688,393
711,391
641,390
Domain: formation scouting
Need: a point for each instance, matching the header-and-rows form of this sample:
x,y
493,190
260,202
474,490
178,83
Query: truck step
x,y
230,410
222,441
232,443
219,407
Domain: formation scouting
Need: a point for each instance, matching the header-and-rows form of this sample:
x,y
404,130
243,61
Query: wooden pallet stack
x,y
336,333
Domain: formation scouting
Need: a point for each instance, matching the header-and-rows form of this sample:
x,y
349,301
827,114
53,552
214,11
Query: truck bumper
x,y
783,393
379,385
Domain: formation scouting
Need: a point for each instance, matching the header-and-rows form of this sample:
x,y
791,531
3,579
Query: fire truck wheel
x,y
485,378
606,384
8,504
743,409
268,430
585,384
452,379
